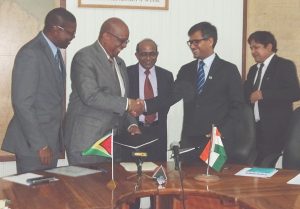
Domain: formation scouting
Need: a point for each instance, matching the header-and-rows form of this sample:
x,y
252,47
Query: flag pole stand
x,y
139,163
207,178
111,185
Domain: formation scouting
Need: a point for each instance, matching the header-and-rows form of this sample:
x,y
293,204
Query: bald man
x,y
153,122
98,102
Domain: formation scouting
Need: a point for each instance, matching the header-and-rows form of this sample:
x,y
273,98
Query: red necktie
x,y
148,94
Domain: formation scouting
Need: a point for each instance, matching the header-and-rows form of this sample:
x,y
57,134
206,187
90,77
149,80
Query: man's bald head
x,y
113,36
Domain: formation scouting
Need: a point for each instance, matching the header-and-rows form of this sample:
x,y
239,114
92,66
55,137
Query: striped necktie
x,y
200,77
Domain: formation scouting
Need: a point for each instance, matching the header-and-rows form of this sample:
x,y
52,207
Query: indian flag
x,y
214,151
102,147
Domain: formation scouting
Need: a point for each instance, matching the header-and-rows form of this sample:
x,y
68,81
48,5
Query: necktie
x,y
200,77
148,94
58,59
258,78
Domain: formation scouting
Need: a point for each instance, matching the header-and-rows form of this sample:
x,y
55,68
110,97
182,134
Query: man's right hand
x,y
136,107
45,155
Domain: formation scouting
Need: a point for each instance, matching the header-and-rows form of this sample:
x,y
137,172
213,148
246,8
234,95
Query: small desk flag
x,y
102,147
215,148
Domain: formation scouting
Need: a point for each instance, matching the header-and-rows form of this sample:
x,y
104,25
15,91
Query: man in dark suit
x,y
98,102
161,82
271,88
211,97
38,95
153,122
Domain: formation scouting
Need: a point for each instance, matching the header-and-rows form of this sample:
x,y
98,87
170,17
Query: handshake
x,y
136,107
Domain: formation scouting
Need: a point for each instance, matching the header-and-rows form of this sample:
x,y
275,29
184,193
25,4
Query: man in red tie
x,y
151,83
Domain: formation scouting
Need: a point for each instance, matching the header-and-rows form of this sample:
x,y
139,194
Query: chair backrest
x,y
291,151
244,145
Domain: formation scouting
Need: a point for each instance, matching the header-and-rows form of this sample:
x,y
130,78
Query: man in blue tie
x,y
34,134
211,89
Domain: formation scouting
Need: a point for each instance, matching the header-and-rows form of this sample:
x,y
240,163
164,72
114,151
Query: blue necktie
x,y
58,60
200,77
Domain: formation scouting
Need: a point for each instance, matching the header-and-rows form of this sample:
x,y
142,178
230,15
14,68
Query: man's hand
x,y
45,155
134,129
255,96
136,107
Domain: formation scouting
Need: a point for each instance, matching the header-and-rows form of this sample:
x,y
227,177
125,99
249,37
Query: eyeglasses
x,y
63,29
148,54
121,40
195,41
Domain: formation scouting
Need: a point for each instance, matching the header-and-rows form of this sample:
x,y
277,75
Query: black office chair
x,y
290,154
244,144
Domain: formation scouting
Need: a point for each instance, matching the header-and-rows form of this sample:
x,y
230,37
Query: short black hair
x,y
207,29
58,16
264,38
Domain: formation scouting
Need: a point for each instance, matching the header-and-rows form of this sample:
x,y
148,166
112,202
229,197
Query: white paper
x,y
131,167
22,178
244,172
295,180
73,171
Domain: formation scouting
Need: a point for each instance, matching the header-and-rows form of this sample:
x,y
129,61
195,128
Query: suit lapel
x,y
123,72
135,82
160,80
269,71
54,67
103,69
212,72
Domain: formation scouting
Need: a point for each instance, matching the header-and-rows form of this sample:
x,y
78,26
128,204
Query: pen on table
x,y
40,180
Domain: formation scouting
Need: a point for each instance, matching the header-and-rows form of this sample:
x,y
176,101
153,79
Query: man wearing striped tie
x,y
211,89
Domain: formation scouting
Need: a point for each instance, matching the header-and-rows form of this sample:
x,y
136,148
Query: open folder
x,y
135,147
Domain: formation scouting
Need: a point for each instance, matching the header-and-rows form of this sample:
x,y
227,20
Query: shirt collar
x,y
267,61
51,45
208,60
141,68
108,57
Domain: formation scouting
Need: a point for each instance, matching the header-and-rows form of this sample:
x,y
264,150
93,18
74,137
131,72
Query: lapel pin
x,y
209,77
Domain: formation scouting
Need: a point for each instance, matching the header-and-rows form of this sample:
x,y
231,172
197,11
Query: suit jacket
x,y
38,98
165,82
219,103
280,88
95,105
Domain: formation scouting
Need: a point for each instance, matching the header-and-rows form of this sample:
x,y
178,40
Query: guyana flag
x,y
102,147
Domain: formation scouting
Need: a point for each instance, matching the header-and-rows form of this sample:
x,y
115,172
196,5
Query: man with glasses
x,y
270,89
98,102
152,123
211,89
38,95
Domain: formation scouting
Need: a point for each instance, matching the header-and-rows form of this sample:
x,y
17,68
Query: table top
x,y
91,191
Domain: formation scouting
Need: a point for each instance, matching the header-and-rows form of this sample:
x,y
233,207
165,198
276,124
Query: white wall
x,y
169,29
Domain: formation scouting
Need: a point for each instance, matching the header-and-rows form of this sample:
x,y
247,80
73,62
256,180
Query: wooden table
x,y
91,192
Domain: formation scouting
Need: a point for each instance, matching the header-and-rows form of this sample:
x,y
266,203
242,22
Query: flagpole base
x,y
111,185
207,178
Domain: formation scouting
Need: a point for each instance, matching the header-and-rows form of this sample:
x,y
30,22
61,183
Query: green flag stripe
x,y
93,151
220,149
219,163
